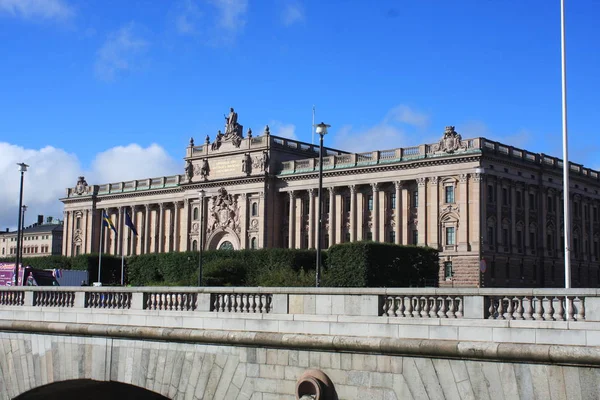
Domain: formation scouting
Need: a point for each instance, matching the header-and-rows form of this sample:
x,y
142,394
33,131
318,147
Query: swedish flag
x,y
106,221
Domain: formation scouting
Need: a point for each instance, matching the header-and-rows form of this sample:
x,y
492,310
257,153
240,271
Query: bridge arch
x,y
90,390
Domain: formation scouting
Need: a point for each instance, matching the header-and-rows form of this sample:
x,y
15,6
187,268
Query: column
x,y
331,216
291,219
464,212
405,210
298,223
161,227
147,230
353,213
185,239
245,220
72,234
375,212
433,218
422,211
132,243
262,243
360,214
590,249
340,218
479,199
121,235
108,248
176,227
526,229
559,230
397,212
513,216
383,213
311,218
65,234
498,213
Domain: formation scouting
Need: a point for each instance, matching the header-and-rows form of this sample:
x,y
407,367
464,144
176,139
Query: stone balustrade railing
x,y
422,303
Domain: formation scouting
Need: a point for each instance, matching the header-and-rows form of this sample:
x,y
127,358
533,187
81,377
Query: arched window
x,y
226,245
254,209
253,243
195,245
78,223
195,213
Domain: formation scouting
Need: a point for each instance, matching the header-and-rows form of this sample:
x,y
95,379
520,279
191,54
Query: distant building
x,y
40,239
471,199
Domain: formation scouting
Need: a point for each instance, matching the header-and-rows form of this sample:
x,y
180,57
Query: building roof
x,y
44,228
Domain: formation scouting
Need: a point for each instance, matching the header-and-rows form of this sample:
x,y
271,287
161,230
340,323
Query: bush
x,y
372,264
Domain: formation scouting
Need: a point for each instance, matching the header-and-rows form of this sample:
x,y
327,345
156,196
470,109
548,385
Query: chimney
x,y
40,220
6,230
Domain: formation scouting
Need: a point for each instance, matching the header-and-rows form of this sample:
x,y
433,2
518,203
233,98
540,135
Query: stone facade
x,y
39,240
471,199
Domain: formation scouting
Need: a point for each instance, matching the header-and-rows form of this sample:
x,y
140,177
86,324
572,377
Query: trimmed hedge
x,y
373,264
359,264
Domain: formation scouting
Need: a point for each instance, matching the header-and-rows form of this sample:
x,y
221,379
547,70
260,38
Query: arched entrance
x,y
223,239
89,390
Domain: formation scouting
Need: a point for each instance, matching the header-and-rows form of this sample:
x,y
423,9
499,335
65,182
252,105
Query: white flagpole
x,y
312,128
101,246
566,166
122,264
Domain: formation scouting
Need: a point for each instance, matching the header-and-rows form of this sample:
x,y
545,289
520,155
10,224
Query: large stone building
x,y
43,238
471,199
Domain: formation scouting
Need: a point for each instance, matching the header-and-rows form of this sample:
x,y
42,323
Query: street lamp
x,y
200,234
322,131
23,209
22,170
482,264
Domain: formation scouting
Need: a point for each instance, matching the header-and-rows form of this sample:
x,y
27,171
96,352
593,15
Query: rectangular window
x,y
504,196
505,237
519,241
78,223
326,205
449,194
549,241
519,203
415,199
596,249
550,204
586,213
326,240
347,204
369,235
370,203
576,245
392,237
595,214
531,201
393,201
532,243
448,270
490,194
490,237
305,206
450,239
415,237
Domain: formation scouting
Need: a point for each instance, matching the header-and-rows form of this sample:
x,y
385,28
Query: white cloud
x,y
287,131
470,129
187,18
395,130
406,115
129,162
231,13
120,52
52,170
293,12
37,9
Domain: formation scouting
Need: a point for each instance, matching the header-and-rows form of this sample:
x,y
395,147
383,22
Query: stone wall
x,y
192,370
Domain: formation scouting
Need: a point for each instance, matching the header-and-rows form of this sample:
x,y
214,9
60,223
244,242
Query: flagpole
x,y
122,263
313,126
566,166
101,247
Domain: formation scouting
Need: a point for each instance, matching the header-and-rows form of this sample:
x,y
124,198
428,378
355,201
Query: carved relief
x,y
450,142
450,208
81,187
434,180
421,181
223,212
203,171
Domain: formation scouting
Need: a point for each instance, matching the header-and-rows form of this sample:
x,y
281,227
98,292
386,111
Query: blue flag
x,y
106,221
129,223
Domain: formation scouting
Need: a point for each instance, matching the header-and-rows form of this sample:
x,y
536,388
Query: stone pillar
x,y
352,213
244,219
161,227
433,205
463,204
72,219
132,243
292,220
86,231
65,234
375,212
185,239
331,216
298,223
478,198
340,218
590,248
513,217
499,203
146,238
383,206
176,227
263,212
360,216
405,213
559,230
422,211
526,230
397,212
311,218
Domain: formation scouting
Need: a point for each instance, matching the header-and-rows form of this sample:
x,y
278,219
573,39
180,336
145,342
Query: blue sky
x,y
113,90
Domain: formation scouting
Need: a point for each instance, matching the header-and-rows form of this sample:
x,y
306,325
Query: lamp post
x,y
200,236
22,170
23,209
322,131
566,165
482,264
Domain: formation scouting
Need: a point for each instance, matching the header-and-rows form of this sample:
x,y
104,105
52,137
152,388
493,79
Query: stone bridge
x,y
282,343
